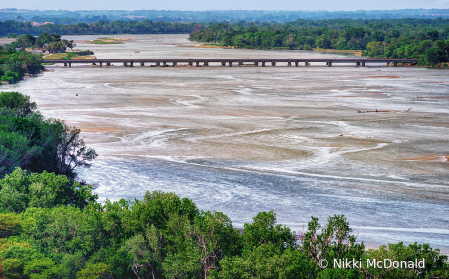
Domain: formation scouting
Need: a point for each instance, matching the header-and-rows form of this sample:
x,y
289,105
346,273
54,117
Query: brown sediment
x,y
91,127
429,158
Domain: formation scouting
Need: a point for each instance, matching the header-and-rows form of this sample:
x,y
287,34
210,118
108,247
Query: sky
x,y
195,5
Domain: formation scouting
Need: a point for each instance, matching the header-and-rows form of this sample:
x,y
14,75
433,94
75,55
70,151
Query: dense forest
x,y
424,39
101,27
51,225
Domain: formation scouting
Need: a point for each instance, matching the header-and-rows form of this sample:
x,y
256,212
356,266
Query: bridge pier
x,y
359,62
70,65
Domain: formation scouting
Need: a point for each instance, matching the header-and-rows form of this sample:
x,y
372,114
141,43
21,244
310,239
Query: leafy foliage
x,y
14,65
21,190
29,141
424,39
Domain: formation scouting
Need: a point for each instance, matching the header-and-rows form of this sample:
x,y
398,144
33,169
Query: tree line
x,y
102,27
424,39
48,42
52,226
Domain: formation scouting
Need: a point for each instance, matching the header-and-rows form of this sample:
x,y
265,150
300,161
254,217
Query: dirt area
x,y
4,41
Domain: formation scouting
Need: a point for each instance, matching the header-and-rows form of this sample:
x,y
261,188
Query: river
x,y
245,139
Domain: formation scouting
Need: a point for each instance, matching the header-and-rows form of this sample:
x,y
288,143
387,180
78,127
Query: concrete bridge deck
x,y
228,62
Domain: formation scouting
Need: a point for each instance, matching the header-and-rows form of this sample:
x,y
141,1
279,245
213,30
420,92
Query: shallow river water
x,y
245,139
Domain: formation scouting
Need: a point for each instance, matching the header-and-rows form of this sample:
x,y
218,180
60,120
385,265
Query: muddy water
x,y
245,139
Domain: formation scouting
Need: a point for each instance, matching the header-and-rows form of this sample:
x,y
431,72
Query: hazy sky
x,y
330,5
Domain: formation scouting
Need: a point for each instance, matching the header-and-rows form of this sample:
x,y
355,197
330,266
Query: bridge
x,y
204,62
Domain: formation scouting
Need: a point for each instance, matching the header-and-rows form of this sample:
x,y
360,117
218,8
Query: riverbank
x,y
354,52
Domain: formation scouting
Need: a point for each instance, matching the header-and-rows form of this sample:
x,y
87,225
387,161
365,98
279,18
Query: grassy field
x,y
64,55
105,41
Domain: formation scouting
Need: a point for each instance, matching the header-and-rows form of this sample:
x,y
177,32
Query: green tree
x,y
21,190
335,241
146,253
16,104
95,271
267,261
264,230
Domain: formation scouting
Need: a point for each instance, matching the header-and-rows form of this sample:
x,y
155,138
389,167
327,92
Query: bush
x,y
21,190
